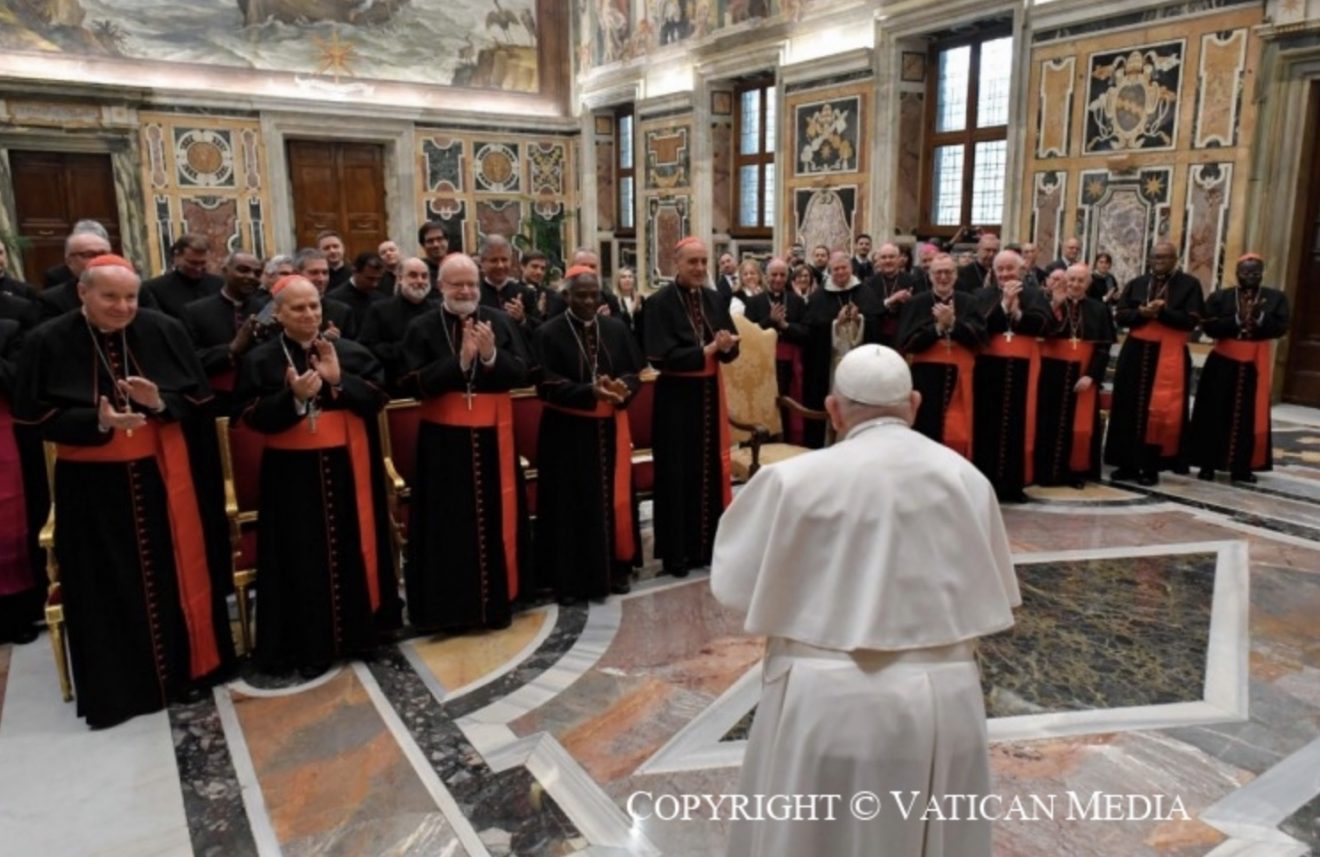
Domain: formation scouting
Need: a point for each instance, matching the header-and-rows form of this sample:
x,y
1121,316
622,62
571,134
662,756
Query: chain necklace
x,y
1247,301
313,406
1074,322
592,359
470,376
121,398
698,330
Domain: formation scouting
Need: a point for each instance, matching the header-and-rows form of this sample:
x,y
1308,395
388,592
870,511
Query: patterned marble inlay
x,y
1054,120
459,661
1305,824
212,795
1103,633
1219,88
1047,207
1209,189
1124,214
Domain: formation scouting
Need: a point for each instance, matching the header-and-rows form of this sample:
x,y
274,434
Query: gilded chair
x,y
752,393
54,594
240,463
399,422
526,436
640,411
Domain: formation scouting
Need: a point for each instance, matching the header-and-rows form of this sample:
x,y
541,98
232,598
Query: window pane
x,y
748,185
749,114
992,82
769,120
988,182
951,106
626,202
769,220
947,185
625,142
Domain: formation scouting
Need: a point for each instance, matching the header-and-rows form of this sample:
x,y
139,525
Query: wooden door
x,y
339,186
54,190
1301,381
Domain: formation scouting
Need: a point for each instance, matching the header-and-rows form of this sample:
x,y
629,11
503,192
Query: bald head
x,y
888,259
1007,266
690,258
1077,280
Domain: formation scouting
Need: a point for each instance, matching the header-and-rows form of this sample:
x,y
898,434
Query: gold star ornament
x,y
336,56
1154,186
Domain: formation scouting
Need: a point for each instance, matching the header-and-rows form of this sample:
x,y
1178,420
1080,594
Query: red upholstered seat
x,y
526,424
245,447
246,556
405,418
639,426
1106,399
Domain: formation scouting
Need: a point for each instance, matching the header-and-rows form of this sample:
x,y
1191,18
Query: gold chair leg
x,y
55,622
244,621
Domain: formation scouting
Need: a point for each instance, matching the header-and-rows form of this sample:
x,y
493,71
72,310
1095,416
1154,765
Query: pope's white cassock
x,y
871,567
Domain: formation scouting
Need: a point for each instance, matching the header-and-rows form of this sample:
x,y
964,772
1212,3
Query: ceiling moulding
x,y
860,59
625,93
737,62
920,17
675,102
1065,14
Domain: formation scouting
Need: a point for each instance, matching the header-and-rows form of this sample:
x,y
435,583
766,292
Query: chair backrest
x,y
750,383
240,459
526,424
404,417
639,411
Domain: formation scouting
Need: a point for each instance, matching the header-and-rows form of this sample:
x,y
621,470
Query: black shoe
x,y
566,600
312,671
1181,469
1078,484
25,634
1013,497
620,587
1207,474
1245,477
1123,474
1148,479
677,569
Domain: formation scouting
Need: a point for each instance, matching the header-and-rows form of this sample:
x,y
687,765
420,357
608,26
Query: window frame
x,y
621,172
762,159
967,138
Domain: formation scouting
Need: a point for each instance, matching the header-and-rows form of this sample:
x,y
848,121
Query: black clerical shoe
x,y
1123,474
1078,484
1148,479
1247,477
567,600
311,671
620,587
1181,469
21,635
677,569
1014,497
1207,474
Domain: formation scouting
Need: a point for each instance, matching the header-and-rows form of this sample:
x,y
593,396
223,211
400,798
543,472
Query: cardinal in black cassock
x,y
465,515
688,334
587,538
110,385
1074,356
941,330
1152,380
1231,422
1005,378
840,316
325,576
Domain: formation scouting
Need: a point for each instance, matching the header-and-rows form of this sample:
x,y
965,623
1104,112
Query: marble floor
x,y
1168,647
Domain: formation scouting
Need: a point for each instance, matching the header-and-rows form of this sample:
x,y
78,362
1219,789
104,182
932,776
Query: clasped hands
x,y
478,341
724,342
134,388
943,315
322,368
610,390
1152,309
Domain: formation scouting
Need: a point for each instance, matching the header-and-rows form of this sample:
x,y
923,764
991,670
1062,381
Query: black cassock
x,y
383,330
1001,386
1231,424
691,479
213,323
823,308
577,549
938,382
1088,322
795,333
885,285
458,573
313,596
21,576
172,291
141,625
1126,443
359,303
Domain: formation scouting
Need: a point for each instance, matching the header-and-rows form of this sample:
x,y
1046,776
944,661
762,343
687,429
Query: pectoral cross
x,y
1074,342
1008,335
313,412
948,344
468,395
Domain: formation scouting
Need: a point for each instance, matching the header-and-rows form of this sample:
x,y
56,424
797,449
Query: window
x,y
754,158
626,210
967,132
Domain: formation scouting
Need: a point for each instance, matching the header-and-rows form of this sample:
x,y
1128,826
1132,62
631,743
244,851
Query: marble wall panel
x,y
1133,98
828,145
1219,88
907,184
217,218
1209,188
1124,214
826,216
443,164
667,158
497,167
498,217
1048,203
546,169
453,213
827,136
1054,118
605,184
721,141
669,221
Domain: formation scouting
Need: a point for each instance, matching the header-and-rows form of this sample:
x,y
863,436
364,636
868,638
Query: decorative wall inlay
x,y
54,113
498,217
547,168
1124,215
667,158
827,136
444,164
605,184
721,102
162,228
721,164
251,140
153,140
1208,194
907,184
453,214
1054,122
1049,191
216,218
204,157
1219,88
913,68
825,216
256,228
1133,98
669,221
496,167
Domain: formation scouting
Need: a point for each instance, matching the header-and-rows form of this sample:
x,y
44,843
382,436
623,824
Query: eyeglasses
x,y
88,254
246,269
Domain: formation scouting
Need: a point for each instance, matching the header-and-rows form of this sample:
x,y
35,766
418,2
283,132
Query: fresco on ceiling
x,y
486,44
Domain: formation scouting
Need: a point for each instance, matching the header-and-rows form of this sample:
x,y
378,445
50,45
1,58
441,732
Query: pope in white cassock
x,y
871,567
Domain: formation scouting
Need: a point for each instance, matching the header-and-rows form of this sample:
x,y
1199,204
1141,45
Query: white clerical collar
x,y
852,284
875,423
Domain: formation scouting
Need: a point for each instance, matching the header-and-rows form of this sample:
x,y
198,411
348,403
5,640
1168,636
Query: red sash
x,y
712,370
1168,395
958,416
1022,348
624,547
488,410
791,353
165,443
224,382
15,565
335,429
1260,352
1083,422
